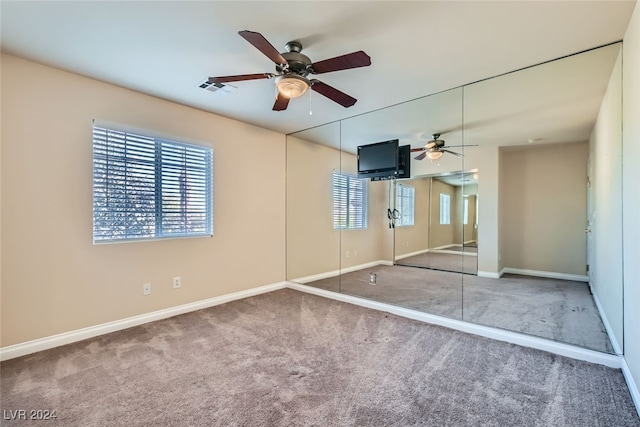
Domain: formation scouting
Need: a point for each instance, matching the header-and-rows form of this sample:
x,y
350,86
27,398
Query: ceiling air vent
x,y
217,88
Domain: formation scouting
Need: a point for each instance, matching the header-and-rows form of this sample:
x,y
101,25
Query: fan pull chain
x,y
310,110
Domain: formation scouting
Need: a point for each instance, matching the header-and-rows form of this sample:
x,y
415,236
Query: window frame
x,y
445,209
342,195
405,204
149,187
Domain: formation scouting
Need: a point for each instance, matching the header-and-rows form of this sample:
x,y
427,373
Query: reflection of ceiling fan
x,y
293,68
436,148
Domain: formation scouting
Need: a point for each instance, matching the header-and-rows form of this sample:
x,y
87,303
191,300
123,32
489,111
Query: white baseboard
x,y
334,273
452,245
547,274
22,349
633,387
617,348
611,360
489,274
410,254
444,251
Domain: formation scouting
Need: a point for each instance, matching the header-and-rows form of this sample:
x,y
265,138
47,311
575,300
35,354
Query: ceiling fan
x,y
436,148
292,69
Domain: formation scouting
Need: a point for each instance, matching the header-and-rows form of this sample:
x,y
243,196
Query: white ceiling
x,y
167,49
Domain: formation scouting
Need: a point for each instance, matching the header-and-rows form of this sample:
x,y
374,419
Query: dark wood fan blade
x,y
281,103
344,62
417,149
240,77
260,43
421,156
333,93
452,152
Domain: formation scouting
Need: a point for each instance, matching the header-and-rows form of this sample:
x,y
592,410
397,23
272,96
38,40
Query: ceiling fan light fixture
x,y
292,85
434,155
429,145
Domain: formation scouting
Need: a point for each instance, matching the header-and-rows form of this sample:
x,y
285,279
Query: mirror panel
x,y
368,265
447,241
517,234
533,148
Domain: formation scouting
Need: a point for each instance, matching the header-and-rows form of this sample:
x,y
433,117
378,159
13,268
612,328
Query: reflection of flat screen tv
x,y
379,160
404,161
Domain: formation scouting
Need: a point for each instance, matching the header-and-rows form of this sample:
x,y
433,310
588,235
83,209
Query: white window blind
x,y
445,208
149,188
350,201
405,203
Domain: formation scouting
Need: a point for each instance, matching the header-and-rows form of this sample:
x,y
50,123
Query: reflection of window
x,y
445,208
350,198
465,211
405,201
149,188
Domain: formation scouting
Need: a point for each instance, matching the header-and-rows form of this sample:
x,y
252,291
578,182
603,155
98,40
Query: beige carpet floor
x,y
287,358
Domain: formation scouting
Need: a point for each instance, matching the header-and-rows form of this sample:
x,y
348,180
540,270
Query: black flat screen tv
x,y
379,160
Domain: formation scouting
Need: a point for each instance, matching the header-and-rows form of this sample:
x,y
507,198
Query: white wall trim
x,y
633,387
410,254
611,360
40,344
444,251
547,274
451,245
490,274
334,273
617,348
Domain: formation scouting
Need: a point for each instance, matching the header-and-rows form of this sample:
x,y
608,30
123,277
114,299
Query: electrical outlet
x,y
146,289
176,282
347,254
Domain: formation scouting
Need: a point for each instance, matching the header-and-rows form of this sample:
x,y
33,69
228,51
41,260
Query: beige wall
x,y
415,238
444,234
53,278
544,207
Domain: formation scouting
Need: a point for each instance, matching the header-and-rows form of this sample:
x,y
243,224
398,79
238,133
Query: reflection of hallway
x,y
560,310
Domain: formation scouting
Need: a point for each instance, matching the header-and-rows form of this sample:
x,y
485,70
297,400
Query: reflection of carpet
x,y
560,310
443,261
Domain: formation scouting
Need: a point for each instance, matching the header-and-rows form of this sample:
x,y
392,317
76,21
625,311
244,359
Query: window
x,y
445,208
405,201
465,211
350,201
149,188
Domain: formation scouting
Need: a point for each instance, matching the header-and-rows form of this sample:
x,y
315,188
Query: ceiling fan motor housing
x,y
297,62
